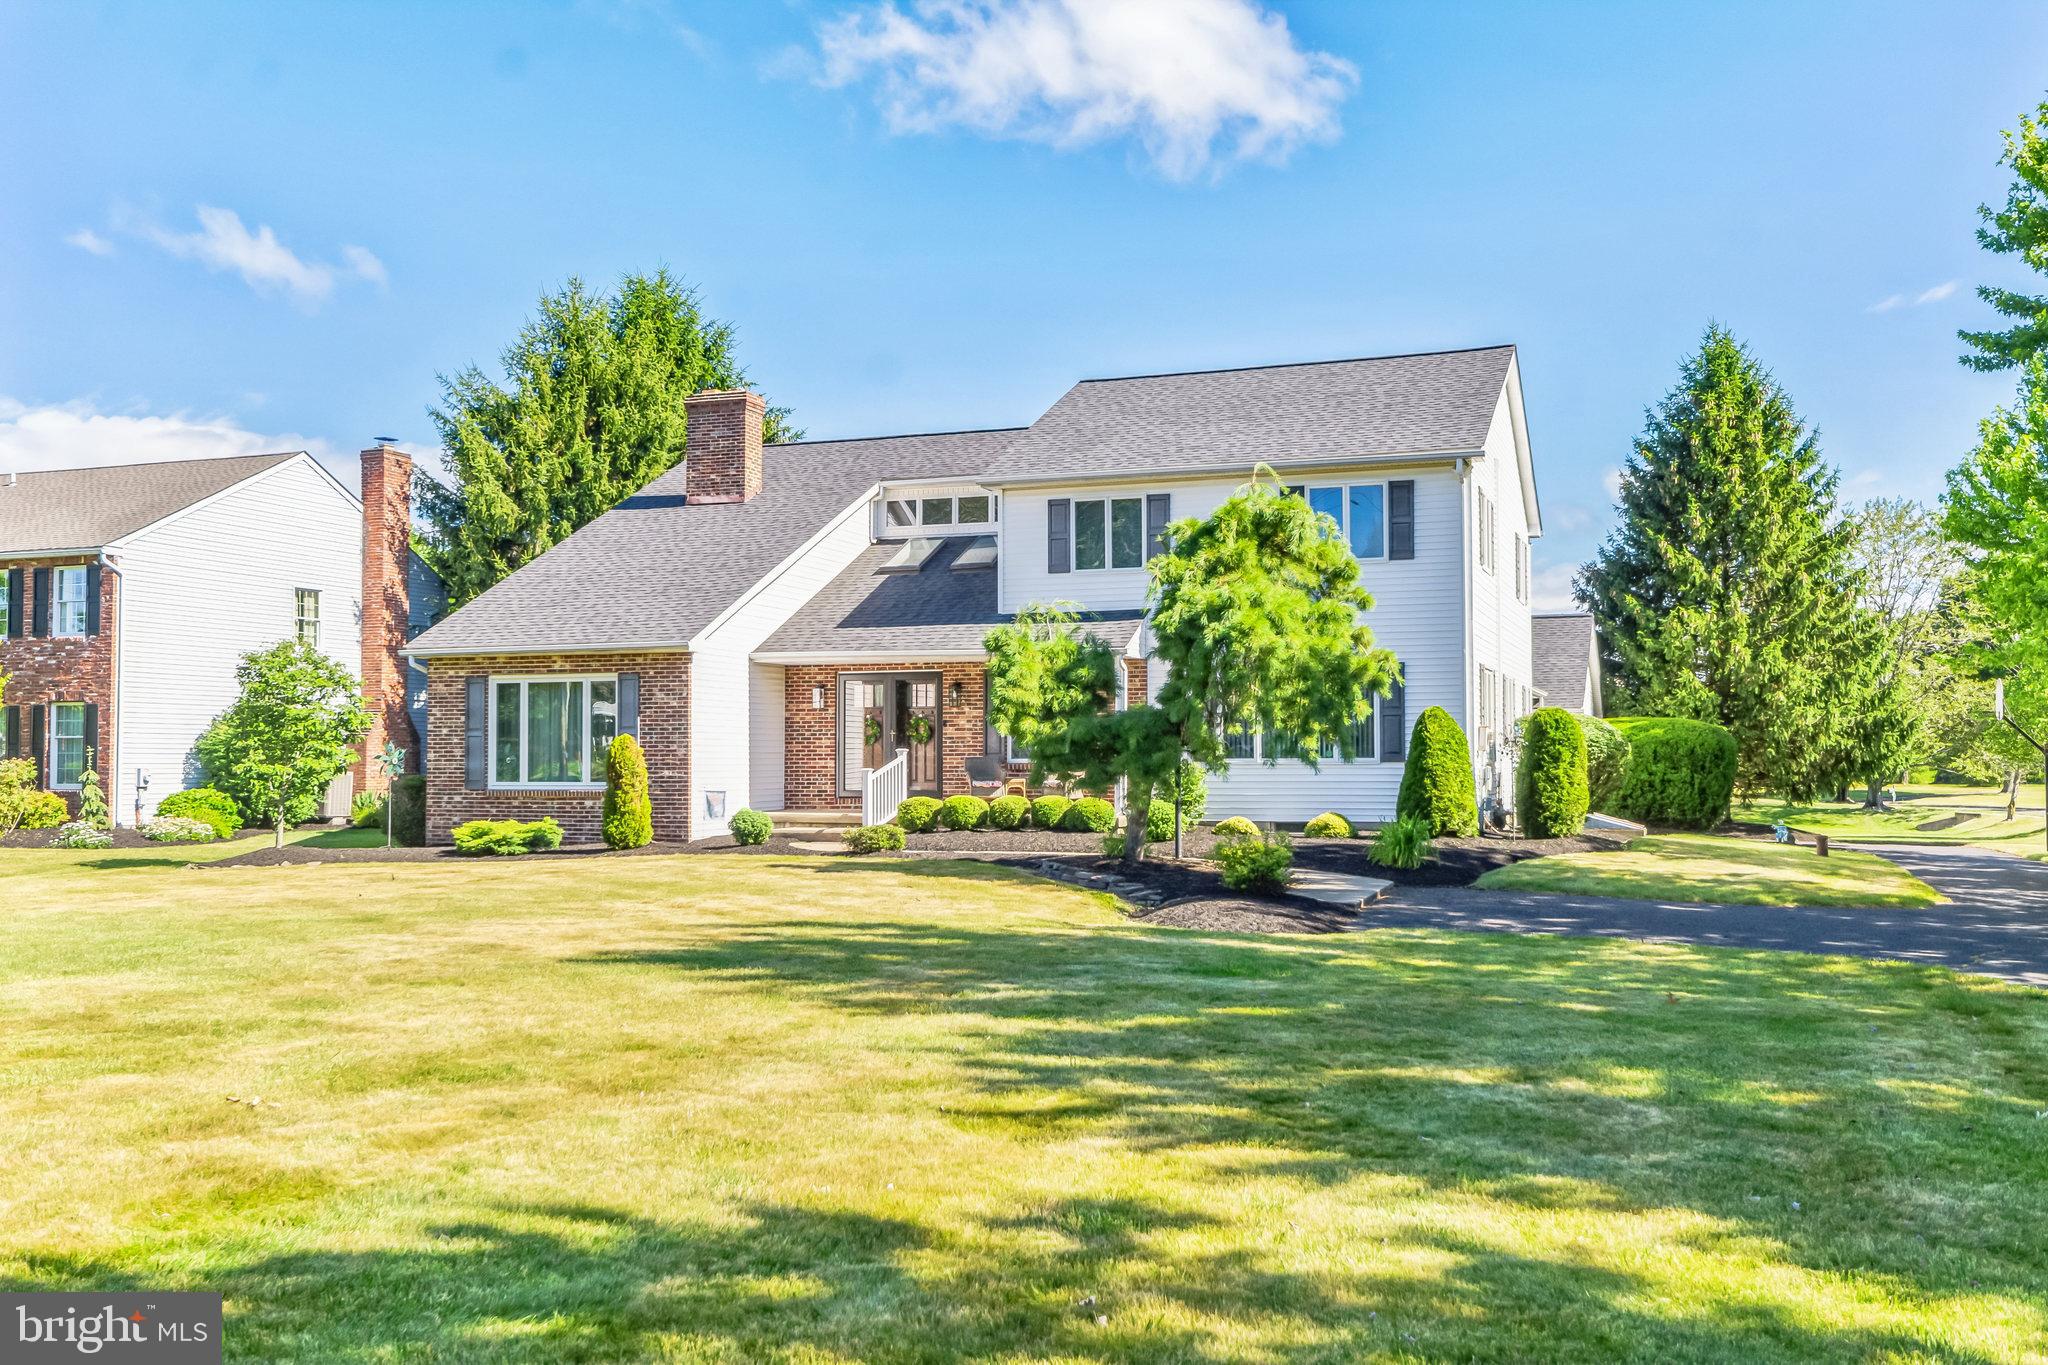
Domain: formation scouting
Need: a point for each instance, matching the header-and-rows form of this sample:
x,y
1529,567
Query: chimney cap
x,y
385,440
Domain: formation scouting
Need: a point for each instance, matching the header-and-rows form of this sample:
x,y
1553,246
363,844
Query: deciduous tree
x,y
288,734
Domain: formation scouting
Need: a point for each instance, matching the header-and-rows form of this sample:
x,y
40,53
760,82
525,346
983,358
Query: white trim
x,y
83,602
1225,471
85,745
494,651
526,680
1532,509
297,457
860,506
1467,571
899,655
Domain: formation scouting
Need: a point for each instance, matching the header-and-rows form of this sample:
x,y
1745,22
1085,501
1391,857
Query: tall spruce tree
x,y
1727,593
590,411
2019,229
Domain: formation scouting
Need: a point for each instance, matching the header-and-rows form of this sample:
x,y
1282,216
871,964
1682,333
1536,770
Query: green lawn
x,y
750,1109
1936,795
1720,871
1905,823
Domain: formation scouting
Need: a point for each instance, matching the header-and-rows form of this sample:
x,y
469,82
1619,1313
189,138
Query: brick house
x,y
776,623
132,592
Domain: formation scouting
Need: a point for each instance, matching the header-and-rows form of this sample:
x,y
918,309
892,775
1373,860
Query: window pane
x,y
1089,535
505,764
1237,743
1369,520
1127,533
70,595
938,511
902,514
604,724
1329,502
549,734
67,751
974,511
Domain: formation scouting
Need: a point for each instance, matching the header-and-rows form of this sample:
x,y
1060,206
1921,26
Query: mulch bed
x,y
123,838
301,854
1452,862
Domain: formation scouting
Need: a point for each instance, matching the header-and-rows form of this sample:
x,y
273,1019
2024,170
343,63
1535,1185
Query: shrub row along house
x,y
775,623
132,591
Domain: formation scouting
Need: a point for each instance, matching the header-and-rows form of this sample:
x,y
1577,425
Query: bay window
x,y
552,731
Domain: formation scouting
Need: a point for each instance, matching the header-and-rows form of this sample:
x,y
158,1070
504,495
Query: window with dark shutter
x,y
629,704
92,599
1401,519
38,718
16,622
476,748
1059,535
10,732
1158,511
39,618
1394,722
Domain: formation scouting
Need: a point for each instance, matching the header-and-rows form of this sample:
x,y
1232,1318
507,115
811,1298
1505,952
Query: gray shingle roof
x,y
1563,660
655,570
937,608
87,509
1233,419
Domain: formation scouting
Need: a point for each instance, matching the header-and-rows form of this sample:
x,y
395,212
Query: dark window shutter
x,y
629,704
1158,511
15,623
10,732
40,626
1394,723
476,737
94,758
1401,519
92,599
38,716
1059,535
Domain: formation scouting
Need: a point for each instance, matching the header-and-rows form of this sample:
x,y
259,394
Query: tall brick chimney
x,y
387,607
722,451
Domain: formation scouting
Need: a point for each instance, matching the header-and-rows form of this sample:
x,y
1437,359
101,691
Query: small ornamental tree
x,y
92,798
288,734
628,810
1436,783
1551,787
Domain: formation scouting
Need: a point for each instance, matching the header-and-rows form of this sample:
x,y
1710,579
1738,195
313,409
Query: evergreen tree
x,y
1727,592
591,410
2019,229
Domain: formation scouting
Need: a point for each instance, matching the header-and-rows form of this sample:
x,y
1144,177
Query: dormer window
x,y
975,511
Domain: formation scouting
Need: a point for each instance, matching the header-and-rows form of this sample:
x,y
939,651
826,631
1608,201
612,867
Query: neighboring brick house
x,y
776,623
132,592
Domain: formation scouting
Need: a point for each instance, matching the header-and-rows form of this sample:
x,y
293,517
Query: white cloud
x,y
1196,82
1931,294
1937,293
1610,479
77,434
85,239
224,243
1550,587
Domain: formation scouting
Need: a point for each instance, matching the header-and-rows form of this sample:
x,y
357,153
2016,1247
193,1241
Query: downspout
x,y
1469,664
113,755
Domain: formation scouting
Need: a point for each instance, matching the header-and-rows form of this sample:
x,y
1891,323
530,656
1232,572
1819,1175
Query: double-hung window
x,y
1109,533
67,743
1483,531
552,731
308,616
1362,743
1360,511
69,599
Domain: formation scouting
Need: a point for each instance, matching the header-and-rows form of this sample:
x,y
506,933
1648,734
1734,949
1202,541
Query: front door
x,y
880,713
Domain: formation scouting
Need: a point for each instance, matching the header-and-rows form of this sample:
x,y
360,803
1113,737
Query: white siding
x,y
206,587
765,718
1501,629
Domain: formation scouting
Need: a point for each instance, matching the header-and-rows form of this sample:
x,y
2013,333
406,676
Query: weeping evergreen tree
x,y
1727,593
590,410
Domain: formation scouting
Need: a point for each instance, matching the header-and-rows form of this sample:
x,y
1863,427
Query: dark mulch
x,y
300,853
123,838
1452,862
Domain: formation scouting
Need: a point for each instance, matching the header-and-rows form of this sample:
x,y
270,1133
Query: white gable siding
x,y
1501,629
202,589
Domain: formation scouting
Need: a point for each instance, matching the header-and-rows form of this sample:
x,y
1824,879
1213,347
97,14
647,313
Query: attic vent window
x,y
911,556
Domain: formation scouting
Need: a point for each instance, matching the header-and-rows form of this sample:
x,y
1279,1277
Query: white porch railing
x,y
884,789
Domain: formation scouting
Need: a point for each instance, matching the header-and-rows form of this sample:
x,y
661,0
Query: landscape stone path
x,y
1996,923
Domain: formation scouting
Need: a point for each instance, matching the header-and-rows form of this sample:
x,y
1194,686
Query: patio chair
x,y
985,776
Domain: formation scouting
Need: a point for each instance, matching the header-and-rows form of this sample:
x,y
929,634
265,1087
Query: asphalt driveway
x,y
1996,923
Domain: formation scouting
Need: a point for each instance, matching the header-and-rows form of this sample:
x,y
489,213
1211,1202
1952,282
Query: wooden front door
x,y
880,713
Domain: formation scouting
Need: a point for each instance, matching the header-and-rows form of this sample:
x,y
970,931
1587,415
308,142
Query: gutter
x,y
1334,463
479,651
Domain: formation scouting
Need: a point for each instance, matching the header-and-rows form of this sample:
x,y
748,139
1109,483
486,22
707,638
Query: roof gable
x,y
46,511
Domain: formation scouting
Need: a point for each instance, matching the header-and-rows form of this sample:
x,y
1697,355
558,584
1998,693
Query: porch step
x,y
797,821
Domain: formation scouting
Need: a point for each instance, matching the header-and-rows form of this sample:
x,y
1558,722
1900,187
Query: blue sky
x,y
238,226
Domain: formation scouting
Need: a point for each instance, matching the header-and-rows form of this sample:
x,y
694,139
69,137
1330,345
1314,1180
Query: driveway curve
x,y
1996,923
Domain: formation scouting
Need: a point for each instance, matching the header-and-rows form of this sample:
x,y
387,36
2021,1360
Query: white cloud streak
x,y
77,434
223,243
1550,587
1931,294
1198,83
85,239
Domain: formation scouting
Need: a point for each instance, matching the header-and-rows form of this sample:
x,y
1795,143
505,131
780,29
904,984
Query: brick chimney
x,y
722,450
387,607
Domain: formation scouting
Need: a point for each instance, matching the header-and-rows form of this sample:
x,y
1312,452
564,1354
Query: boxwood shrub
x,y
1048,811
750,827
505,838
1436,783
1236,827
1089,815
628,807
872,838
1550,785
1008,812
963,812
210,804
1606,761
1680,772
1329,825
917,815
40,810
1262,864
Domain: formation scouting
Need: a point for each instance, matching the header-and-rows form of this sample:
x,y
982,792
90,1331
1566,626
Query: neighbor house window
x,y
1109,533
1483,531
1362,732
552,732
1239,744
67,743
1360,511
308,616
69,597
5,602
907,514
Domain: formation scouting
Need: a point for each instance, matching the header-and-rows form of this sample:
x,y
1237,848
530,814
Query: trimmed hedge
x,y
409,810
1680,772
506,838
1329,825
209,804
1048,811
1436,782
1606,761
1089,815
1008,812
963,812
917,815
872,838
750,827
628,808
1236,827
1550,785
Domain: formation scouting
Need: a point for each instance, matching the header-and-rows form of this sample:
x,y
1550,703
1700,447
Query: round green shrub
x,y
1262,864
750,827
178,829
1008,812
1436,783
1089,815
963,812
1607,751
1680,772
39,810
872,838
628,807
1159,821
1550,786
1236,827
210,804
1401,844
1329,825
1048,811
917,815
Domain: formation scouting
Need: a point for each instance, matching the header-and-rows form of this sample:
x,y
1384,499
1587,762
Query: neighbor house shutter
x,y
476,739
1059,535
92,599
15,624
629,704
94,759
1158,511
10,732
1394,722
37,717
1401,519
40,626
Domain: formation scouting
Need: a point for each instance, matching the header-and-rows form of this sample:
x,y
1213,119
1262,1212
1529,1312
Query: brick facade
x,y
810,761
51,668
722,450
664,734
387,610
1135,674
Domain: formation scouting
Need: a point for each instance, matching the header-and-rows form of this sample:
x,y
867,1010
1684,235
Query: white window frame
x,y
1109,564
592,764
59,602
300,597
914,502
1485,531
1343,490
77,708
1258,744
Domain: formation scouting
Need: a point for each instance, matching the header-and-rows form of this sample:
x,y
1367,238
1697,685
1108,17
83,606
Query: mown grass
x,y
753,1109
1720,871
1905,823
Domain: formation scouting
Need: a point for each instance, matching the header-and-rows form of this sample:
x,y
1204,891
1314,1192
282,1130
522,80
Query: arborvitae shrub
x,y
1550,786
628,809
1607,752
1436,783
